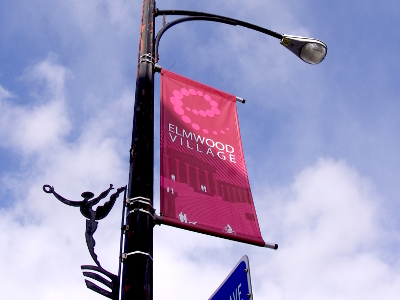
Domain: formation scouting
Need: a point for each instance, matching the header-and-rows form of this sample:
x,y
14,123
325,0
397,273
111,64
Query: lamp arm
x,y
200,16
186,19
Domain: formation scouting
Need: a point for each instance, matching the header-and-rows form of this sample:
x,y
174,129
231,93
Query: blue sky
x,y
320,142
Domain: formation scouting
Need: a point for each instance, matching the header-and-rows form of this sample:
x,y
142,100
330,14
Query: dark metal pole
x,y
137,281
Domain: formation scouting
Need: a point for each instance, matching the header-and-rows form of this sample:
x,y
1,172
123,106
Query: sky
x,y
321,144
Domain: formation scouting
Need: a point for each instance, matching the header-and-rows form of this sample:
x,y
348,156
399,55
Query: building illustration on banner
x,y
180,191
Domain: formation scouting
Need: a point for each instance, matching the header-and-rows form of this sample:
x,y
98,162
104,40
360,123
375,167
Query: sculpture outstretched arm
x,y
50,190
104,194
103,211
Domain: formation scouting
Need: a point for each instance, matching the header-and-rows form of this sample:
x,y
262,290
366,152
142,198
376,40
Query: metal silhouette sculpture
x,y
92,216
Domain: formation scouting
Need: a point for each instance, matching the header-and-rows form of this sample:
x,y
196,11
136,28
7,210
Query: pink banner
x,y
204,183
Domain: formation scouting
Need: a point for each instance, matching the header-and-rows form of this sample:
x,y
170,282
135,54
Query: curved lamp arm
x,y
311,51
181,20
202,14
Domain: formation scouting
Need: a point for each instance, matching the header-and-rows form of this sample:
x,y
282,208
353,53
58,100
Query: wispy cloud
x,y
28,128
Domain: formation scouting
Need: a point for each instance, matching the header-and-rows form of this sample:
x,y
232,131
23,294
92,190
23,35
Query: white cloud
x,y
4,94
28,129
331,243
51,74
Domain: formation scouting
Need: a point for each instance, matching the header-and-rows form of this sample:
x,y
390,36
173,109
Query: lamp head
x,y
310,50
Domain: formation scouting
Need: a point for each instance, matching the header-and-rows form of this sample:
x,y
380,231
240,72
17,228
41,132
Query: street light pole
x,y
137,279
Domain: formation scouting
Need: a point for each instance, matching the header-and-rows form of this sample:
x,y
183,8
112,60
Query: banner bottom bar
x,y
160,220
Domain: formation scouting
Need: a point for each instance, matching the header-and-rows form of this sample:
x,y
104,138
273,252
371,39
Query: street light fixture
x,y
310,50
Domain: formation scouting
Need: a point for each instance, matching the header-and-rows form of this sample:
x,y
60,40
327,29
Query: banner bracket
x,y
157,68
157,219
241,100
271,246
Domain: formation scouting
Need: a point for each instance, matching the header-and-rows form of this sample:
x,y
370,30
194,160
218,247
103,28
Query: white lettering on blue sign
x,y
236,294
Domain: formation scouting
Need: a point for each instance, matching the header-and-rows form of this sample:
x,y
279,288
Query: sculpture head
x,y
87,195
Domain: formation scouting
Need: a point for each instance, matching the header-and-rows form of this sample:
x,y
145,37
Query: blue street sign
x,y
237,286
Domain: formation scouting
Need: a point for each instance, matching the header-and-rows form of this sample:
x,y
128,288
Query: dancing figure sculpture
x,y
86,208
